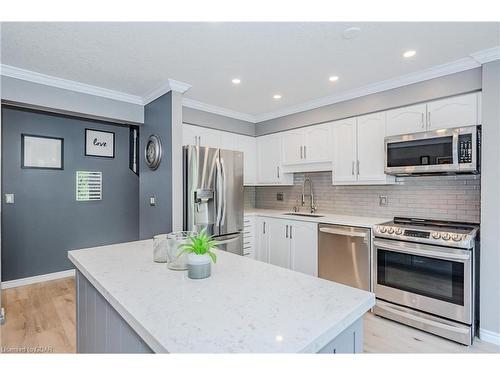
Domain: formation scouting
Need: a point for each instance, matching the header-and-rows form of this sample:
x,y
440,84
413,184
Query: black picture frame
x,y
99,131
23,166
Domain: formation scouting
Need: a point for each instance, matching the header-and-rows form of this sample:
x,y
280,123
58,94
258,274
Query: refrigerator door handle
x,y
218,194
227,238
224,187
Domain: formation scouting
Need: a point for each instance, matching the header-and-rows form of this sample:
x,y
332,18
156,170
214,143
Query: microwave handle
x,y
422,250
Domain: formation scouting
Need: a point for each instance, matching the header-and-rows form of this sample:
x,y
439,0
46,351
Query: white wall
x,y
490,205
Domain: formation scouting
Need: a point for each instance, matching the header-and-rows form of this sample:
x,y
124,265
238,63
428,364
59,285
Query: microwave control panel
x,y
465,148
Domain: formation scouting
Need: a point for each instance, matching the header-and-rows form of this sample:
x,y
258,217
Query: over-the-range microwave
x,y
443,151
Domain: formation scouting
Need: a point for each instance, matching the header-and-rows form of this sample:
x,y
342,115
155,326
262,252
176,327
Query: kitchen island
x,y
128,303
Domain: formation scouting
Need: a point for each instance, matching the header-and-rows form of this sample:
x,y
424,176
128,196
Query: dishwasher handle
x,y
342,232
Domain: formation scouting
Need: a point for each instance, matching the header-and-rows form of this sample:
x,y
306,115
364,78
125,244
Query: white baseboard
x,y
489,336
37,279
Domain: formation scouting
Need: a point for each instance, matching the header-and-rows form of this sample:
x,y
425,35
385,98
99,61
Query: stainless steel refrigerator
x,y
213,194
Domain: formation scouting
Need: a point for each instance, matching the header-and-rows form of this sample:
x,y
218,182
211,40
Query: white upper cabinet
x,y
318,145
370,148
293,146
453,112
189,135
406,120
308,145
268,159
344,150
248,146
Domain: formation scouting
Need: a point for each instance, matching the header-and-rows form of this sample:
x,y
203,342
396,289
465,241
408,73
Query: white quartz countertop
x,y
327,218
246,306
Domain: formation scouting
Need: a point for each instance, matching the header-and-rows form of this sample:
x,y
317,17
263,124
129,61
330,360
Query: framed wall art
x,y
99,143
42,152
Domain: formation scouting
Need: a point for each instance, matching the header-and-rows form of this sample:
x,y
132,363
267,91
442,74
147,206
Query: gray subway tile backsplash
x,y
436,197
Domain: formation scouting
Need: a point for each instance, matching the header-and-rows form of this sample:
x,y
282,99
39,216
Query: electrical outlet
x,y
9,198
382,200
280,196
152,200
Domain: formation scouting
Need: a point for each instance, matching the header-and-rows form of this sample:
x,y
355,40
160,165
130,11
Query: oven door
x,y
433,279
427,152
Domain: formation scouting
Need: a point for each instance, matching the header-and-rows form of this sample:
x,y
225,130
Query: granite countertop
x,y
245,306
327,218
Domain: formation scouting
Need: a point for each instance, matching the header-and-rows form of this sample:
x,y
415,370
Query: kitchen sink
x,y
303,214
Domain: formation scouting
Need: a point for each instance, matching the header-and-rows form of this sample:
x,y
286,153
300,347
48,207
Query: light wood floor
x,y
43,316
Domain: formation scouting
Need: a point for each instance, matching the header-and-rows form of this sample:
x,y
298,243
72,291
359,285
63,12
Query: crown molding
x,y
170,85
487,55
460,65
44,79
190,103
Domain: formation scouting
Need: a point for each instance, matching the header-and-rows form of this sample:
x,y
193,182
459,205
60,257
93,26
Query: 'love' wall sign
x,y
99,143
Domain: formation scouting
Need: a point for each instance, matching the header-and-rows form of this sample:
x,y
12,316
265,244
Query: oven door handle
x,y
423,250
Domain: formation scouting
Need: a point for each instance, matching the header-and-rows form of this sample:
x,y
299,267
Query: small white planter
x,y
199,266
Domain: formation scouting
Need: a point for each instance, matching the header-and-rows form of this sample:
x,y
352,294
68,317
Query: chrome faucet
x,y
311,195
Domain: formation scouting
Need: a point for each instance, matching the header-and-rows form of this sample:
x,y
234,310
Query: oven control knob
x,y
445,236
390,230
436,235
399,231
382,229
464,237
456,237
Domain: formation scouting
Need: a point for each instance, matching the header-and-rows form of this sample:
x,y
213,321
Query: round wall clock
x,y
153,152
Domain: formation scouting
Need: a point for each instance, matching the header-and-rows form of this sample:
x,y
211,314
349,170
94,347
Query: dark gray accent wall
x,y
211,120
158,183
46,220
453,84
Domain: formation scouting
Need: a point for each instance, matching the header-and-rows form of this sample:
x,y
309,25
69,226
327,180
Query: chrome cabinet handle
x,y
305,152
264,227
301,152
357,167
352,168
286,232
278,171
291,232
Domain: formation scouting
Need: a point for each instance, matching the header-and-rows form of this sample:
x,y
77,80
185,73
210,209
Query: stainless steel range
x,y
425,275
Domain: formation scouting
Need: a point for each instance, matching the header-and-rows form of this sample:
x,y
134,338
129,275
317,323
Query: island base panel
x,y
100,329
348,342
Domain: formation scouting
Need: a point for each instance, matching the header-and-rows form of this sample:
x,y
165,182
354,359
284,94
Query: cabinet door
x,y
248,146
344,150
261,239
293,146
209,137
304,245
318,146
406,120
371,153
268,159
189,135
228,141
452,112
279,243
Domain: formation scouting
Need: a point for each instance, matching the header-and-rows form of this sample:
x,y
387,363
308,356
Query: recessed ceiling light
x,y
333,78
277,96
409,53
351,32
236,81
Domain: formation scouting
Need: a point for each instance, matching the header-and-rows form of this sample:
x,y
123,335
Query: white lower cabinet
x,y
289,244
249,236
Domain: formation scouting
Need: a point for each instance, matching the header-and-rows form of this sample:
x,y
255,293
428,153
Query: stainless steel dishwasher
x,y
344,255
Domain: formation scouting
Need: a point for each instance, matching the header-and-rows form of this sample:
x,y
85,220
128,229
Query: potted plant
x,y
200,255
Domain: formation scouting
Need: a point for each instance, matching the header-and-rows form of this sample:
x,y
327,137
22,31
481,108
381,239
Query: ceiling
x,y
292,59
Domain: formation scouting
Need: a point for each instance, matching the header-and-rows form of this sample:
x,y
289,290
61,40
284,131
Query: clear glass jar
x,y
174,241
160,248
